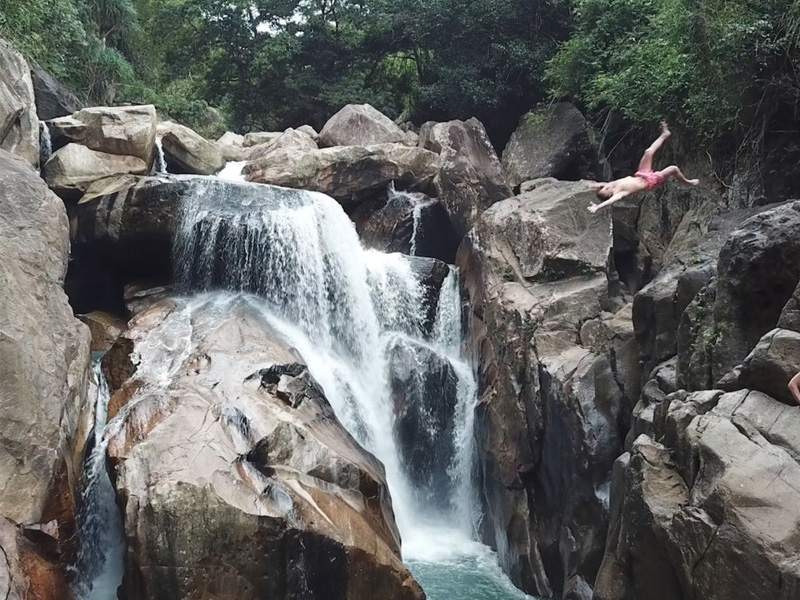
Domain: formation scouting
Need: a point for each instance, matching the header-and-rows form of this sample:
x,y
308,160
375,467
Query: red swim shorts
x,y
653,179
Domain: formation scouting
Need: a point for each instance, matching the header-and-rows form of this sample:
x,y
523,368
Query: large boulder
x,y
712,511
659,306
231,146
759,269
291,140
53,100
44,350
360,125
188,152
229,426
256,138
19,126
72,169
471,177
124,130
350,174
555,373
551,141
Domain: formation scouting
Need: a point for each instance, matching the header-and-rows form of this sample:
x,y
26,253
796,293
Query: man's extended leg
x,y
675,172
646,164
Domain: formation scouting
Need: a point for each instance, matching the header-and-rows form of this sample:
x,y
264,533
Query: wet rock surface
x,y
230,427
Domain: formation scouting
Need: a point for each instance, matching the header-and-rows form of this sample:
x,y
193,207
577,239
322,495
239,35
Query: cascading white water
x,y
101,536
232,171
344,308
159,162
418,203
45,143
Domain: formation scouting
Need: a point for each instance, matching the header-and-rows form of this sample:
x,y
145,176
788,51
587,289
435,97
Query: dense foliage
x,y
717,67
713,65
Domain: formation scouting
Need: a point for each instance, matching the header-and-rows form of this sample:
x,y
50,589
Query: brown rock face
x,y
234,474
554,373
360,125
471,178
19,126
348,173
25,572
44,350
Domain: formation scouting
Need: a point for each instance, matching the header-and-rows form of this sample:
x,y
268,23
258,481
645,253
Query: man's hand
x,y
593,208
794,388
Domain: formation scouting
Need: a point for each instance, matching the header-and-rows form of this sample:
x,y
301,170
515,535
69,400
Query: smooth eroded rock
x,y
123,130
187,151
347,173
360,125
53,99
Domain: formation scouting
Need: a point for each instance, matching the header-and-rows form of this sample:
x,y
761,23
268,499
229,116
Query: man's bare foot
x,y
593,208
693,182
665,129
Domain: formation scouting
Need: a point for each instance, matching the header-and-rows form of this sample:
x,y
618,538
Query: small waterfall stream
x,y
160,161
101,535
45,144
418,203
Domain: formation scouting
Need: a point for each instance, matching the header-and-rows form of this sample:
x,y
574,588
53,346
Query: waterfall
x,y
418,202
101,535
358,319
232,171
45,143
159,162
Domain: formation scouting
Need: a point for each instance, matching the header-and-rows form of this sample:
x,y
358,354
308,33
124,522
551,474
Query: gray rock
x,y
290,141
551,141
309,131
292,505
255,138
231,145
349,174
360,125
72,169
52,98
772,363
471,177
123,130
759,269
188,152
19,126
44,350
550,420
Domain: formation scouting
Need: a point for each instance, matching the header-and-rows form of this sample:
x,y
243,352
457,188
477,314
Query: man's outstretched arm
x,y
615,198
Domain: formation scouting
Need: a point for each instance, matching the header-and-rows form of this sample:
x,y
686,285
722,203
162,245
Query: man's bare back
x,y
644,179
